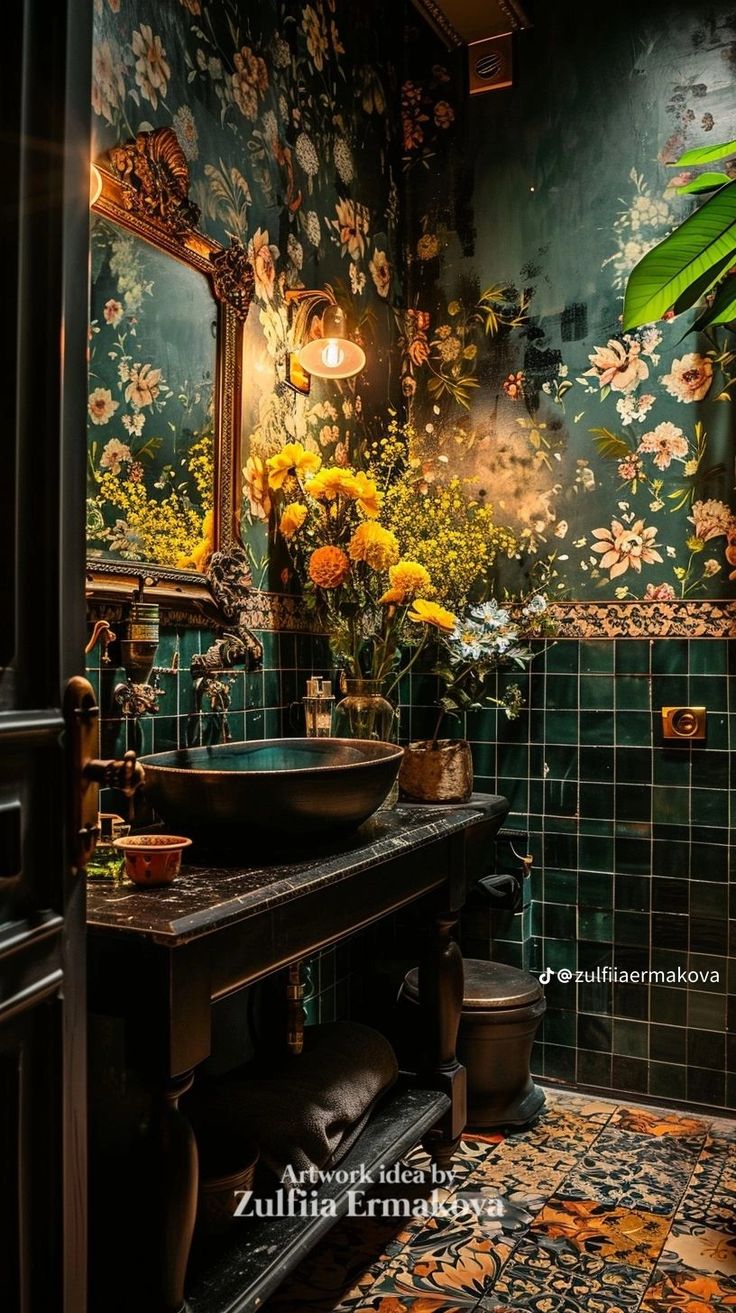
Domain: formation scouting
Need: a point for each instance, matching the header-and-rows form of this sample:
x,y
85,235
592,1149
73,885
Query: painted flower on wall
x,y
315,31
255,485
666,443
618,366
351,225
152,72
112,312
143,385
186,131
624,547
108,82
263,255
249,82
659,593
101,406
380,270
711,519
114,453
690,377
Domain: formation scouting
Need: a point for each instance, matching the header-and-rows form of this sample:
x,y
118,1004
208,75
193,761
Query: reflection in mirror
x,y
150,433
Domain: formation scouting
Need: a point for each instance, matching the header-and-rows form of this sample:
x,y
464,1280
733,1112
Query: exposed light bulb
x,y
332,354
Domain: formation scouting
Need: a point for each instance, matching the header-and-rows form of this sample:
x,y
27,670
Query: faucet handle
x,y
126,775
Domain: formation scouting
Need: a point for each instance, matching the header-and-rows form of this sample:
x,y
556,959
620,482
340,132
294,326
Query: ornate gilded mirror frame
x,y
145,191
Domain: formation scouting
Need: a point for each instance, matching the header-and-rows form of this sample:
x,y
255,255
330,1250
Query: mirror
x,y
167,309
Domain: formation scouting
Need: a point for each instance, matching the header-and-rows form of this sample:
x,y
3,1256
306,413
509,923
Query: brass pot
x,y
438,770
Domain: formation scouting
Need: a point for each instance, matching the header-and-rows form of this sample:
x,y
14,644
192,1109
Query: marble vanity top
x,y
210,893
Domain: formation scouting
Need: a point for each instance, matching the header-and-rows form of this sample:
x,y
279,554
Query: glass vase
x,y
364,713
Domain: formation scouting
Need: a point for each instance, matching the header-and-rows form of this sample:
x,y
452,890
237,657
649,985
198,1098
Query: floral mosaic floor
x,y
603,1208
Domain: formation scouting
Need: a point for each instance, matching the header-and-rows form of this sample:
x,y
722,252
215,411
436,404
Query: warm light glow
x,y
95,184
332,354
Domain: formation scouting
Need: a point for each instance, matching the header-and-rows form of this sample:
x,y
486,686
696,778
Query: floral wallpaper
x,y
611,454
288,114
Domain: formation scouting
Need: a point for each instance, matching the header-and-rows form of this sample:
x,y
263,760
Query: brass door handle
x,y
126,775
86,772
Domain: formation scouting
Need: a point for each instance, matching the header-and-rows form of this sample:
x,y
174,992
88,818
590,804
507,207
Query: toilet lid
x,y
489,985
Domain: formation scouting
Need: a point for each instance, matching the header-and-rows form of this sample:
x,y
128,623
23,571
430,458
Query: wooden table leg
x,y
174,1174
441,999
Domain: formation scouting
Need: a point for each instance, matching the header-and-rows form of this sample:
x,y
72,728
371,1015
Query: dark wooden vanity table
x,y
159,959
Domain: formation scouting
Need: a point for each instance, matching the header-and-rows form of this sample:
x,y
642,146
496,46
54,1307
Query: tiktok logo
x,y
546,976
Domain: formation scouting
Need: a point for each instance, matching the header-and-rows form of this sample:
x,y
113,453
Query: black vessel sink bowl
x,y
280,789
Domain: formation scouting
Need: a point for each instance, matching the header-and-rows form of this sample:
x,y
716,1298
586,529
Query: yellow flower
x,y
198,558
292,519
367,495
331,483
407,580
328,567
429,613
292,459
376,546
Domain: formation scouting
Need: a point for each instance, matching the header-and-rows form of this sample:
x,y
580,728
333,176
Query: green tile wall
x,y
633,864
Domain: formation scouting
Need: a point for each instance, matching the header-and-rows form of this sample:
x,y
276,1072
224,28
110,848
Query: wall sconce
x,y
327,351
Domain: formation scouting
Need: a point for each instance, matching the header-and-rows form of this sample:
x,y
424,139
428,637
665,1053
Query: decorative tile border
x,y
577,620
680,619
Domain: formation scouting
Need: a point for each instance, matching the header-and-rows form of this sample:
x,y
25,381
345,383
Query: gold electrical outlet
x,y
683,722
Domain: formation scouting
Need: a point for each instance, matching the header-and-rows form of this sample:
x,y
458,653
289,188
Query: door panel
x,y
44,173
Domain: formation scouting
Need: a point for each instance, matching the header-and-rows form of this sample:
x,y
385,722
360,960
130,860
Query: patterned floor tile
x,y
660,1123
413,1304
633,1171
691,1292
446,1258
582,1105
576,1218
703,1248
593,1285
619,1235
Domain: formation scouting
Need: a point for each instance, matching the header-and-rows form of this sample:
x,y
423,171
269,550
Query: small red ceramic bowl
x,y
152,859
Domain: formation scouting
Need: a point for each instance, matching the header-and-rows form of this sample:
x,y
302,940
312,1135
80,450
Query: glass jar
x,y
364,713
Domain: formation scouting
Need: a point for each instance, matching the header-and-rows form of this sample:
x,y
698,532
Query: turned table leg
x,y
441,1000
174,1175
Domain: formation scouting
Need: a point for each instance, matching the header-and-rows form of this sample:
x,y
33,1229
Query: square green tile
x,y
708,656
632,656
596,692
597,656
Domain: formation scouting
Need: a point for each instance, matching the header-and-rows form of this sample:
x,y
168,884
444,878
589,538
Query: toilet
x,y
502,1009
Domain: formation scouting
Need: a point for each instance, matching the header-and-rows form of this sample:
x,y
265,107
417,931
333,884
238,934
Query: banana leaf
x,y
706,154
723,309
703,182
701,245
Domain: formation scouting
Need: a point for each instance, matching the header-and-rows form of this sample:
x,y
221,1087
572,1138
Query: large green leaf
x,y
703,182
723,309
702,243
698,289
707,154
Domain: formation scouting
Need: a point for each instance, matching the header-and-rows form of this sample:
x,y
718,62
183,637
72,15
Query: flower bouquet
x,y
375,605
486,639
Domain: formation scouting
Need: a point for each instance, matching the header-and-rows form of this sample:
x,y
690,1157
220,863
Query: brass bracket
x,y
294,998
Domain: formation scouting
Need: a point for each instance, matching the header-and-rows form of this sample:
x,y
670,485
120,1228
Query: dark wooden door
x,y
44,191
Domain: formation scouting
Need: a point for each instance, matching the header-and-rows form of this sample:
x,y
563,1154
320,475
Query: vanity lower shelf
x,y
239,1278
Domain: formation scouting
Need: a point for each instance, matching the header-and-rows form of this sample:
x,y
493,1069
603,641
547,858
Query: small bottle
x,y
107,861
318,707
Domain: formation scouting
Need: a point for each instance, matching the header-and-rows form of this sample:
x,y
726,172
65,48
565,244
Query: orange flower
x,y
328,567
